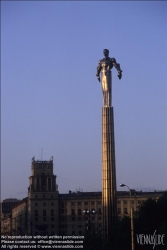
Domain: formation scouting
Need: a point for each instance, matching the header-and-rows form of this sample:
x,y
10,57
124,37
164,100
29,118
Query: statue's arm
x,y
117,66
98,71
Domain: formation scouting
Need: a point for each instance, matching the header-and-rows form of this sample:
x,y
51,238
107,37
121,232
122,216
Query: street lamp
x,y
89,212
123,185
131,218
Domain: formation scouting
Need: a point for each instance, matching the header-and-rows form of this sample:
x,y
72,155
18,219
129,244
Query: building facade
x,y
5,212
46,212
43,201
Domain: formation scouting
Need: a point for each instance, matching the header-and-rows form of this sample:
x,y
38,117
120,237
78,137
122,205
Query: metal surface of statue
x,y
105,66
109,199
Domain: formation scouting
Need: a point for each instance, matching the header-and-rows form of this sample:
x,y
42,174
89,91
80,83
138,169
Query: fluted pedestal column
x,y
109,199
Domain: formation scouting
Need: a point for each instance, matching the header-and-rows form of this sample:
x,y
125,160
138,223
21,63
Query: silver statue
x,y
105,66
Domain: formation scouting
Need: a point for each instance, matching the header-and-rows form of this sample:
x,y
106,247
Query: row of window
x,y
45,196
44,204
125,210
79,203
132,202
44,218
44,212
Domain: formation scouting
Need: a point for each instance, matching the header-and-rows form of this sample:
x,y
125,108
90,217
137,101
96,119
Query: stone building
x,y
46,212
19,218
5,212
43,199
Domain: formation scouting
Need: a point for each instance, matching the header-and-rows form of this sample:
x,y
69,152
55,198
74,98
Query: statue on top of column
x,y
105,66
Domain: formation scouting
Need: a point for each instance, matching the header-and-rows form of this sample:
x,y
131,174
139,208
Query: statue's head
x,y
106,52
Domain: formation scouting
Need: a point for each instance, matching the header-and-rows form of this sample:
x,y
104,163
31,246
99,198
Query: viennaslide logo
x,y
148,239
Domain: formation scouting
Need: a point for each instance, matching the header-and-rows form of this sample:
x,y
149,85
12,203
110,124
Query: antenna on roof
x,y
41,154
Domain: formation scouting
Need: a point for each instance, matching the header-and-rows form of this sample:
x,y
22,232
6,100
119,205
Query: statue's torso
x,y
106,64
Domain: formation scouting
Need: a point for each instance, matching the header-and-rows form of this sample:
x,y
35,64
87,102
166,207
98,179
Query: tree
x,y
151,219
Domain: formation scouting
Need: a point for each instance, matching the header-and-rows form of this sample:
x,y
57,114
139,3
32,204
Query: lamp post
x,y
89,212
131,218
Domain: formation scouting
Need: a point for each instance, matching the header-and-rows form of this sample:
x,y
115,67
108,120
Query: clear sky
x,y
52,101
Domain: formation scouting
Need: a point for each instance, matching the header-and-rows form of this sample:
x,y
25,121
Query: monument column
x,y
109,197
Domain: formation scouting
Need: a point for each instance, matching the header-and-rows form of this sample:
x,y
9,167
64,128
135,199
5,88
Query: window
x,y
99,202
36,204
93,218
44,212
125,202
139,202
79,203
73,211
80,232
125,210
52,226
99,218
36,212
43,179
52,212
44,196
79,211
86,203
119,202
79,218
36,196
99,224
44,218
37,183
52,203
92,202
44,204
62,211
62,204
36,218
52,218
73,218
51,196
49,183
132,202
119,210
99,211
72,203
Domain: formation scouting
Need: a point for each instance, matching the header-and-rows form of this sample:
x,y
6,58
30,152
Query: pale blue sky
x,y
51,99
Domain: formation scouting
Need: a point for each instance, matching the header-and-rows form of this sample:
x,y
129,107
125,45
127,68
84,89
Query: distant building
x,y
46,212
43,205
5,211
